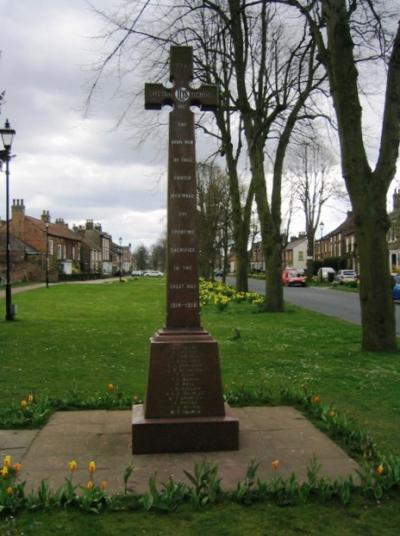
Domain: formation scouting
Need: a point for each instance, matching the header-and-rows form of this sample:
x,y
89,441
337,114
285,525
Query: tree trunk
x,y
377,308
273,278
241,266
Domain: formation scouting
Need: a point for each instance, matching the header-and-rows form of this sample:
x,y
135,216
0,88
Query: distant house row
x,y
40,245
340,244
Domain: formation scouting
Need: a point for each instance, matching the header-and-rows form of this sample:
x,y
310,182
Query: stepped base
x,y
189,434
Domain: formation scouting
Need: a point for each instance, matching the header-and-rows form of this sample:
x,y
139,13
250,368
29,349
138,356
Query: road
x,y
344,305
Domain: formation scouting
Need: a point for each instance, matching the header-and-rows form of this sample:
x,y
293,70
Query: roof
x,y
346,227
55,229
16,244
296,242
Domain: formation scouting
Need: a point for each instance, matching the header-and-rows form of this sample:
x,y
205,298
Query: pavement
x,y
266,434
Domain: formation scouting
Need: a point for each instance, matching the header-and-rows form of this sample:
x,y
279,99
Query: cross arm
x,y
206,97
156,95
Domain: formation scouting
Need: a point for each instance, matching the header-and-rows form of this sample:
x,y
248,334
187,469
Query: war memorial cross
x,y
184,408
182,276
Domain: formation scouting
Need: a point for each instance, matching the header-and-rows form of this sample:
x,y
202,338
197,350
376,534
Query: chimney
x,y
61,221
18,207
89,225
98,227
45,217
18,218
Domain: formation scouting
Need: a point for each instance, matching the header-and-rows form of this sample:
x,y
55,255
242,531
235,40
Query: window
x,y
51,247
59,251
73,253
300,256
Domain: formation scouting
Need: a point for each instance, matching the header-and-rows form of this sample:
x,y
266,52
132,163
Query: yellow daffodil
x,y
72,466
380,470
9,491
4,472
275,464
89,485
23,404
110,387
92,467
7,461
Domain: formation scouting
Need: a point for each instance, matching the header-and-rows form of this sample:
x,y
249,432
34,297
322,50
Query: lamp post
x,y
321,226
47,254
7,135
120,259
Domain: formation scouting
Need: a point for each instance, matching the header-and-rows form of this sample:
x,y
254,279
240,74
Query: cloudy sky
x,y
78,166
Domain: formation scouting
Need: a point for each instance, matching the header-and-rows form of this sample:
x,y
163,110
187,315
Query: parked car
x,y
346,276
152,273
219,272
291,277
326,273
137,273
396,288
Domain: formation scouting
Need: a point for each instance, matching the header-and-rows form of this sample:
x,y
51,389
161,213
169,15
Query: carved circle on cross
x,y
182,94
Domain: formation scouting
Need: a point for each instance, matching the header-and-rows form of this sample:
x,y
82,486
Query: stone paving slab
x,y
16,442
266,434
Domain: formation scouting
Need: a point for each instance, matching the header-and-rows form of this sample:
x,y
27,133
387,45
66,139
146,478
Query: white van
x,y
323,273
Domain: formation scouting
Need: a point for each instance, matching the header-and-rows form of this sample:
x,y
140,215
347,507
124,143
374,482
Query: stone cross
x,y
184,407
182,275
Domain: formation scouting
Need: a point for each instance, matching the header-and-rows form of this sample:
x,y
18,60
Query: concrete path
x,y
266,434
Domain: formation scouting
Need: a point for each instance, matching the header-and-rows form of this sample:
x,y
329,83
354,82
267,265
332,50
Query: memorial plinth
x,y
184,408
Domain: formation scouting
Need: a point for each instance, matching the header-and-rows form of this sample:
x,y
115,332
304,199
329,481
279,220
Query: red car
x,y
293,278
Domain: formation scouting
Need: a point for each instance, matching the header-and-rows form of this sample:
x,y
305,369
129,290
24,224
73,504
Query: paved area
x,y
266,434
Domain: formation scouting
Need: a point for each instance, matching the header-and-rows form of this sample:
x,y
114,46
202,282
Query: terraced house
x,y
54,241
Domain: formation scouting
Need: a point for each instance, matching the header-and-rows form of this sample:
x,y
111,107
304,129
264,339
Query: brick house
x,y
62,244
26,263
96,248
256,257
393,236
340,243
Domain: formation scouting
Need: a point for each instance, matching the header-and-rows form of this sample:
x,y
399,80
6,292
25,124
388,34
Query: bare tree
x,y
158,252
274,77
313,185
213,204
266,77
349,34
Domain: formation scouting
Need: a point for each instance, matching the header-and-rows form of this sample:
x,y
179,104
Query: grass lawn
x,y
83,337
358,519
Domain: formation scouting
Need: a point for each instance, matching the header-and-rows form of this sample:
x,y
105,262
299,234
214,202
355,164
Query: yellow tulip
x,y
110,387
29,398
380,470
17,467
23,404
9,491
92,467
72,466
89,484
7,461
104,485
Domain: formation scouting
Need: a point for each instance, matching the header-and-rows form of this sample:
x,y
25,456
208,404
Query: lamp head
x,y
7,134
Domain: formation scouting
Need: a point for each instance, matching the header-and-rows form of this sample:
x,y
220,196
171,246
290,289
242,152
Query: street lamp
x,y
321,226
7,135
120,259
47,254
